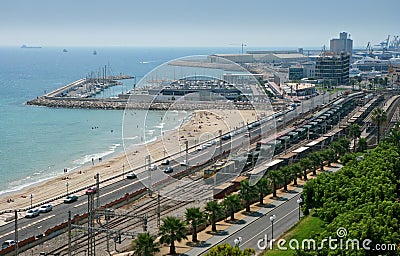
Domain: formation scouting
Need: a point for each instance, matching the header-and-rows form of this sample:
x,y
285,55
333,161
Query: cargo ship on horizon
x,y
30,47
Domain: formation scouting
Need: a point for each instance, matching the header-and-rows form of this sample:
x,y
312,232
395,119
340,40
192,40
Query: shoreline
x,y
115,165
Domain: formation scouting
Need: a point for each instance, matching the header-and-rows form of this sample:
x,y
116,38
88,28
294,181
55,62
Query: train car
x,y
294,136
302,132
285,141
219,167
275,145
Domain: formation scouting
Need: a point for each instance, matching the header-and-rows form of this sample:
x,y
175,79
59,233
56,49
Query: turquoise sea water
x,y
37,143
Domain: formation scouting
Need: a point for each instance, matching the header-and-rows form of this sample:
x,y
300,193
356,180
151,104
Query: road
x,y
255,229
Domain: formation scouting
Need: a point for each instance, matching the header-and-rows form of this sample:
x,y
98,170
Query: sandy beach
x,y
203,125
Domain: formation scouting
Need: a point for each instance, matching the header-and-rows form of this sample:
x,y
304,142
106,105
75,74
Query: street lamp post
x,y
67,184
272,219
237,241
299,201
123,170
31,196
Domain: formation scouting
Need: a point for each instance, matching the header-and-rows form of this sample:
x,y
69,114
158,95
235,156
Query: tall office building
x,y
333,68
343,43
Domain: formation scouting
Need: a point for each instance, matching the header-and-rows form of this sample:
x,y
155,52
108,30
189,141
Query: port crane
x,y
384,44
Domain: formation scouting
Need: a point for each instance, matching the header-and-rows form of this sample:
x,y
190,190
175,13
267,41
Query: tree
x,y
315,159
194,217
378,116
305,164
275,177
171,230
355,133
263,189
227,250
231,204
144,245
214,211
296,172
362,145
394,136
247,193
339,148
330,155
286,176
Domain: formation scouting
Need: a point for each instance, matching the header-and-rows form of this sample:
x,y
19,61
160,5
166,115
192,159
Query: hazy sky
x,y
278,23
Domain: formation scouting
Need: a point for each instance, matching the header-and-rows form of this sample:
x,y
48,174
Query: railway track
x,y
147,208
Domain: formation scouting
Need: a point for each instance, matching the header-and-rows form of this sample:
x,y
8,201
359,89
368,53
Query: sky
x,y
278,23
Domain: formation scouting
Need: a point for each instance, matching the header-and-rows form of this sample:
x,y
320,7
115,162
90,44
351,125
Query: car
x,y
169,169
46,208
91,190
165,162
131,176
208,144
199,148
7,243
226,137
153,167
213,142
70,199
32,213
184,163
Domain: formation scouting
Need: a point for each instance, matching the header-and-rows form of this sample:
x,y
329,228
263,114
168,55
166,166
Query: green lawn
x,y
305,229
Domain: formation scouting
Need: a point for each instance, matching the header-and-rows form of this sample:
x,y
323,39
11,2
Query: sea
x,y
38,143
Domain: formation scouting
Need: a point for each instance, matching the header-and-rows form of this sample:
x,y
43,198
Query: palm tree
x,y
394,136
338,147
171,230
144,245
296,172
231,203
315,159
286,176
275,177
247,193
362,145
263,189
214,210
329,155
305,164
194,217
355,133
378,116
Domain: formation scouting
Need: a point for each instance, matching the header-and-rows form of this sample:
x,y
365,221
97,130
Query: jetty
x,y
80,94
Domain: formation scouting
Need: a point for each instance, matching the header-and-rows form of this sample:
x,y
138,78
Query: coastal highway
x,y
38,225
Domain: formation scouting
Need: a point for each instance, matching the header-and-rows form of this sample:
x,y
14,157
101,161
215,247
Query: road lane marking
x,y
280,219
101,195
30,224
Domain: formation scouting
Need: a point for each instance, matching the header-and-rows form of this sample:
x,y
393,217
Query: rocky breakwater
x,y
121,103
63,102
